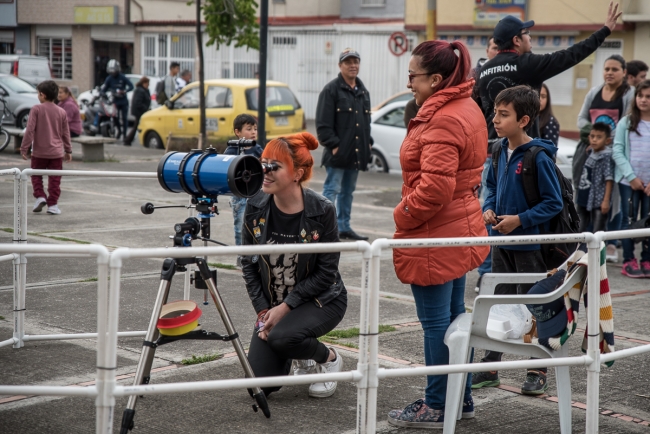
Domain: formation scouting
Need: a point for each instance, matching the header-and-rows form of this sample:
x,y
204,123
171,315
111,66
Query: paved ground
x,y
61,297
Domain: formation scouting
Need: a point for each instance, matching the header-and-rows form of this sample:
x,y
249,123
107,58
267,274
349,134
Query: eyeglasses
x,y
412,76
525,32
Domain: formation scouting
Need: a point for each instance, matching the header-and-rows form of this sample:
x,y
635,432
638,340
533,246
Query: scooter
x,y
108,122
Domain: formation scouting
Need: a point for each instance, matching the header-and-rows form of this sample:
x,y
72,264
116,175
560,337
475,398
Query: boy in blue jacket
x,y
506,209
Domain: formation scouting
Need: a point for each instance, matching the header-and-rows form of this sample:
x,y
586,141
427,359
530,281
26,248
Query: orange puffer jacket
x,y
442,159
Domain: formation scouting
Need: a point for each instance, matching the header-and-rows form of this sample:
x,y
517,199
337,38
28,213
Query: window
x,y
275,96
394,118
188,99
285,40
218,97
59,53
160,49
373,2
17,85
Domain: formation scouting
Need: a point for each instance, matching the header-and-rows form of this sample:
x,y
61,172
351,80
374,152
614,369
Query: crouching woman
x,y
297,297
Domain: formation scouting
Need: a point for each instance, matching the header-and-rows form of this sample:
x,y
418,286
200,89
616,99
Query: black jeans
x,y
514,261
295,337
129,137
122,118
595,218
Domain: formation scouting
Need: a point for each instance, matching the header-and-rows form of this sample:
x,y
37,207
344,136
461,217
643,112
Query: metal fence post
x,y
593,327
373,341
362,365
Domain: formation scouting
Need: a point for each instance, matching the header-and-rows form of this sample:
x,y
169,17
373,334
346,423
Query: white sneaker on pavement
x,y
40,204
54,209
303,367
326,389
611,254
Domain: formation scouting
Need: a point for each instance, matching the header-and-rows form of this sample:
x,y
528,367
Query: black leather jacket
x,y
318,279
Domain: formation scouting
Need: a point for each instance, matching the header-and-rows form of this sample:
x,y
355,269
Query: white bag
x,y
509,321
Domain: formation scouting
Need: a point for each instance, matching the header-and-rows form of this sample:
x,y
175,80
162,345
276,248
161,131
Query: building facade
x,y
558,24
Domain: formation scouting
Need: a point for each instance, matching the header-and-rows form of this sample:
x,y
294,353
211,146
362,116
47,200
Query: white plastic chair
x,y
469,330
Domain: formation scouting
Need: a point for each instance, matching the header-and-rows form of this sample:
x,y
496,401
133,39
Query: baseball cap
x,y
551,317
348,52
509,27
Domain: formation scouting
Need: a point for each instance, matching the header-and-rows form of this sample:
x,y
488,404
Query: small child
x,y
245,127
594,195
48,136
507,210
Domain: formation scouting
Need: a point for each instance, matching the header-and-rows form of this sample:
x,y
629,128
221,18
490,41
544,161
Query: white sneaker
x,y
303,367
54,209
40,204
611,254
324,390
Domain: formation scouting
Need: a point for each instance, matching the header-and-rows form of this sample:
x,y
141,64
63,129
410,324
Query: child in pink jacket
x,y
48,136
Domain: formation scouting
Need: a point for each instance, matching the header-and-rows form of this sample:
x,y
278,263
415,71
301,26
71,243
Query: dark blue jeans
x,y
338,188
437,306
640,202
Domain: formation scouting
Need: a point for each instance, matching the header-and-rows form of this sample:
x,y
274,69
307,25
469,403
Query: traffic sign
x,y
398,43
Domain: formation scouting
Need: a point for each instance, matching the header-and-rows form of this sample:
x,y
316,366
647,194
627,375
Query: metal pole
x,y
593,316
203,142
261,101
431,20
373,341
362,365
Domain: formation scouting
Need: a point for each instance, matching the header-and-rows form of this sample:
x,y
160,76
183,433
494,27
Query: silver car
x,y
21,96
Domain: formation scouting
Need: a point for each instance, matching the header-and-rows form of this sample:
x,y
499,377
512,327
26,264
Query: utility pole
x,y
431,20
261,101
203,139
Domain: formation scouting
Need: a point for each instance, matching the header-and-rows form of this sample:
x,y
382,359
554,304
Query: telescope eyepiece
x,y
270,167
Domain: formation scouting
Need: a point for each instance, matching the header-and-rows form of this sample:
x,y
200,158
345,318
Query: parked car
x,y
224,99
85,97
21,96
566,148
388,131
406,95
33,69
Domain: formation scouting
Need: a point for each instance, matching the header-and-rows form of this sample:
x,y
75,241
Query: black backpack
x,y
565,222
161,97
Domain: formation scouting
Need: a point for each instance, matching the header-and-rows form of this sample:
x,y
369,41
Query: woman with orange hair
x,y
297,298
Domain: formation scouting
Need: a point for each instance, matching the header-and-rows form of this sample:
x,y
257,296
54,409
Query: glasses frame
x,y
412,76
524,32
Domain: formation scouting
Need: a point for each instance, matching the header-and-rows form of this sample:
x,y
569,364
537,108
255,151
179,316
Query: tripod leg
x,y
230,328
148,348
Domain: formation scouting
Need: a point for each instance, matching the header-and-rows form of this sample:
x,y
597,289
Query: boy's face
x,y
598,140
41,97
248,132
505,121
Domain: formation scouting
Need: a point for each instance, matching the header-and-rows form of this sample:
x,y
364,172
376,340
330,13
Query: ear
x,y
609,140
436,79
298,174
524,121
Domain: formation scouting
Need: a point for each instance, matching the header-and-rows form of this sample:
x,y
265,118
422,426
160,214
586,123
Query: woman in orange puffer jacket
x,y
442,159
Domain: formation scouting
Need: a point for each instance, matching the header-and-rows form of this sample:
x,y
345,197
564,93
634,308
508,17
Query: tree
x,y
232,20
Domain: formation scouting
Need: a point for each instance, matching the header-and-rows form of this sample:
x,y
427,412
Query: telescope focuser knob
x,y
147,208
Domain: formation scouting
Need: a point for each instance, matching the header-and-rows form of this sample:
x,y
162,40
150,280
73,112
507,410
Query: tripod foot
x,y
127,421
260,398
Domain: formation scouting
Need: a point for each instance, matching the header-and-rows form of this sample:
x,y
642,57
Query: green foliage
x,y
223,266
334,336
201,359
9,230
231,20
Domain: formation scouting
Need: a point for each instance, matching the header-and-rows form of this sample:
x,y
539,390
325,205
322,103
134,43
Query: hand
x,y
612,16
335,150
274,316
646,190
604,207
507,224
636,184
67,157
25,157
489,217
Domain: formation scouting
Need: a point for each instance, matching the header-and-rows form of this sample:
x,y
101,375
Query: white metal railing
x,y
367,374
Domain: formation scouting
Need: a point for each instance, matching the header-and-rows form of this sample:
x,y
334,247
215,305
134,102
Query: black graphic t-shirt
x,y
283,229
608,112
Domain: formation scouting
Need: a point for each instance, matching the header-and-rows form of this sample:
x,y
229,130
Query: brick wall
x,y
60,11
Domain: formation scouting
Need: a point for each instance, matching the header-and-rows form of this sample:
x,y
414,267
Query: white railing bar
x,y
80,336
240,383
58,255
11,257
8,342
487,366
14,171
99,174
629,352
88,391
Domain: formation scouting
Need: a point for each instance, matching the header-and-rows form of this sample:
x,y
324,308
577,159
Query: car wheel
x,y
152,140
22,119
377,162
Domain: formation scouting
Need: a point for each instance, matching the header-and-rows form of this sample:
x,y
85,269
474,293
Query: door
x,y
219,112
183,120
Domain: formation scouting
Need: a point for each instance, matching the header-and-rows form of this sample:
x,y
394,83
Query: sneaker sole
x,y
468,415
641,276
493,383
40,207
54,213
323,394
406,424
534,392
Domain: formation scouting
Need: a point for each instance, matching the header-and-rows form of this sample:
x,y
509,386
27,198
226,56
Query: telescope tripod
x,y
153,339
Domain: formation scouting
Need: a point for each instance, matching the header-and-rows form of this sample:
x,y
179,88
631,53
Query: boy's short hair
x,y
174,65
242,120
602,126
524,99
49,89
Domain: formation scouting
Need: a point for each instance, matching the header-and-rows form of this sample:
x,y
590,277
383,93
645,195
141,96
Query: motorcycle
x,y
104,105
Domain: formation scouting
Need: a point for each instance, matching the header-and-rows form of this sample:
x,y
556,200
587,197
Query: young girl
x,y
631,154
549,127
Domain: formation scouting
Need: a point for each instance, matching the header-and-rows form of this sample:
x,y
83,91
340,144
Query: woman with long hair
x,y
297,297
549,127
68,103
140,104
608,103
442,159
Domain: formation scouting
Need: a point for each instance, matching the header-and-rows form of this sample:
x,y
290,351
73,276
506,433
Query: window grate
x,y
59,53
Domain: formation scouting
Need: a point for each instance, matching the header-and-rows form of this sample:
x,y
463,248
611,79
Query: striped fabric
x,y
572,303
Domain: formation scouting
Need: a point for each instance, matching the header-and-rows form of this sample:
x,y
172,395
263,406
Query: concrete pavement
x,y
61,297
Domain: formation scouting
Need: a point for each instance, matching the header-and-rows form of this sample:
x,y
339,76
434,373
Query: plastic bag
x,y
509,321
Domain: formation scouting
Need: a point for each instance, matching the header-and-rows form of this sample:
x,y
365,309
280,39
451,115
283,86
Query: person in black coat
x,y
140,104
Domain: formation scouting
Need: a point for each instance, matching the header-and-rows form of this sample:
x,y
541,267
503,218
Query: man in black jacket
x,y
343,129
515,64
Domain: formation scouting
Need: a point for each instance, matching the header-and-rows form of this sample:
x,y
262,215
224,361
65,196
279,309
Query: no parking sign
x,y
398,43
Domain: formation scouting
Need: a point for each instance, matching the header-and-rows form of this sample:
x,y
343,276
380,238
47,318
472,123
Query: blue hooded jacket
x,y
506,196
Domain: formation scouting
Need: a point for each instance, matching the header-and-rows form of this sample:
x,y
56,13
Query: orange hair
x,y
294,152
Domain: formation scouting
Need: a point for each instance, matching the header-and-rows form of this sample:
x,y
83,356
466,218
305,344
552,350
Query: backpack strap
x,y
529,179
495,161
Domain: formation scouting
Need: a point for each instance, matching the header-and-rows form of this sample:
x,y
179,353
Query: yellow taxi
x,y
224,100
